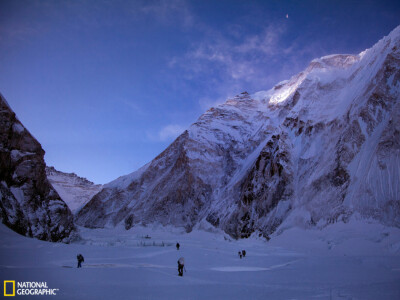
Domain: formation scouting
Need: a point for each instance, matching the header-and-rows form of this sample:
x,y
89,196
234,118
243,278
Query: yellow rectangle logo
x,y
5,287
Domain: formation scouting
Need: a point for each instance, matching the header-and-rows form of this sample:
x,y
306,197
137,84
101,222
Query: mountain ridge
x,y
255,162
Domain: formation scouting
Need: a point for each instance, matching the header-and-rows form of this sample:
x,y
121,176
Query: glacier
x,y
357,260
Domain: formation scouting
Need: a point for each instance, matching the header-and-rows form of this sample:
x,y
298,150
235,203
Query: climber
x,y
181,265
177,246
80,259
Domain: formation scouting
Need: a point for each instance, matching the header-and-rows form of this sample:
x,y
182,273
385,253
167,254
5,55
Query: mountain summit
x,y
316,149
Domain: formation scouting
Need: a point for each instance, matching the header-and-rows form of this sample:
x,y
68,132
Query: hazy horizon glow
x,y
105,86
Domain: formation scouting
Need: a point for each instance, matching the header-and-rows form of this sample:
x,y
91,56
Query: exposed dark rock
x,y
28,204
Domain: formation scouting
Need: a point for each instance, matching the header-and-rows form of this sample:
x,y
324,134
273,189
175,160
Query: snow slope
x,y
311,151
74,190
358,260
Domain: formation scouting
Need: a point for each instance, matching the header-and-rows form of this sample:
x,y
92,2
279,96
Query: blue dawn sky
x,y
105,86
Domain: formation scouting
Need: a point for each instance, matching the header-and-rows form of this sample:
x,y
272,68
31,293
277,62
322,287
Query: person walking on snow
x,y
181,265
177,246
80,259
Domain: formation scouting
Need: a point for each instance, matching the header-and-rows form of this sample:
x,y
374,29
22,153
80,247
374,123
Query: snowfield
x,y
357,260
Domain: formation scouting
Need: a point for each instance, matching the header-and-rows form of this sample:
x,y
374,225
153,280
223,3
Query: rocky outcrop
x,y
28,203
268,183
313,150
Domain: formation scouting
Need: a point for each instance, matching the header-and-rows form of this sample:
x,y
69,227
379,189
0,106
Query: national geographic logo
x,y
28,288
9,288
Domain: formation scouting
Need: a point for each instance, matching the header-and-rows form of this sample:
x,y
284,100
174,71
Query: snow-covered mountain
x,y
74,190
313,150
28,203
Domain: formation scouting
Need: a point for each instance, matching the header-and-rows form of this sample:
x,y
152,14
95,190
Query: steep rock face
x,y
75,191
168,205
312,150
29,204
176,186
268,183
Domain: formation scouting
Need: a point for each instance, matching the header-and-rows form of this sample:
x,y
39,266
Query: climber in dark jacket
x,y
80,259
181,265
177,246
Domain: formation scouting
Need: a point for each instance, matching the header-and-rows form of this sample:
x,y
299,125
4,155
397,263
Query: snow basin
x,y
357,260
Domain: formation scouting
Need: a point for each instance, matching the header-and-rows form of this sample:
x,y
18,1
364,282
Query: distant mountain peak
x,y
74,190
313,150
